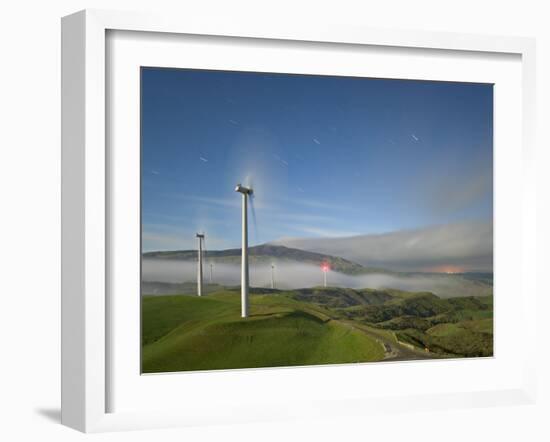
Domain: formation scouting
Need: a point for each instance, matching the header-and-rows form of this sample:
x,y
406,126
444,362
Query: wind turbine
x,y
246,192
200,237
272,276
325,267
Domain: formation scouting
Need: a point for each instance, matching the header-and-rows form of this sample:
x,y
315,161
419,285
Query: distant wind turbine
x,y
246,193
272,276
325,268
200,237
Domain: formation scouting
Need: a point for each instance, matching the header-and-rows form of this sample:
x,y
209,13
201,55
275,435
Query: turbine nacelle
x,y
244,190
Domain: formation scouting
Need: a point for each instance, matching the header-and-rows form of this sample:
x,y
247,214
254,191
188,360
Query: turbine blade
x,y
249,182
254,220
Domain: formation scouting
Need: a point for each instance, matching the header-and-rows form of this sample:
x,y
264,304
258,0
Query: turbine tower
x,y
246,192
272,276
200,237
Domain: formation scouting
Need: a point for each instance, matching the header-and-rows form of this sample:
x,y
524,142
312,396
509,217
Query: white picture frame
x,y
86,204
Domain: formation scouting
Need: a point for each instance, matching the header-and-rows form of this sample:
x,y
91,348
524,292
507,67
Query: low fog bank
x,y
294,275
467,245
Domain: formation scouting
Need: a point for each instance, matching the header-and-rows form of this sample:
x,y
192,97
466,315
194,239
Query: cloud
x,y
319,231
452,194
450,186
467,245
295,275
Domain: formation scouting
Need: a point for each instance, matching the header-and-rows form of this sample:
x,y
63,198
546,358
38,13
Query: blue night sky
x,y
327,156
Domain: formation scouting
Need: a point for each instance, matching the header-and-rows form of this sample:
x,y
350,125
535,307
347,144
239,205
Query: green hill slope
x,y
455,326
341,297
183,333
309,327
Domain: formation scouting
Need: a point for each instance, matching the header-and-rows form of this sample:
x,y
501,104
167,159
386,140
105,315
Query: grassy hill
x,y
455,327
189,333
467,338
309,327
341,297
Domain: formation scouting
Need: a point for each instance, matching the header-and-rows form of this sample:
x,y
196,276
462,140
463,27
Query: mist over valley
x,y
295,269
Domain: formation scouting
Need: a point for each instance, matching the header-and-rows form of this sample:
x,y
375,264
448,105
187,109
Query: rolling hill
x,y
183,333
309,327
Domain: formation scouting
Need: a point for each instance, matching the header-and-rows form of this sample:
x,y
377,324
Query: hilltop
x,y
267,253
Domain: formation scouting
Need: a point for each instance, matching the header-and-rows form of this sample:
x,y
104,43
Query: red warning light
x,y
325,267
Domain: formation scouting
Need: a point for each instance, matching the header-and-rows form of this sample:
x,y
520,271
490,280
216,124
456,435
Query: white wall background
x,y
30,215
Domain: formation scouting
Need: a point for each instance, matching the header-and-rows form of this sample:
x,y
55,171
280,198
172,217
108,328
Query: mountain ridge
x,y
269,252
